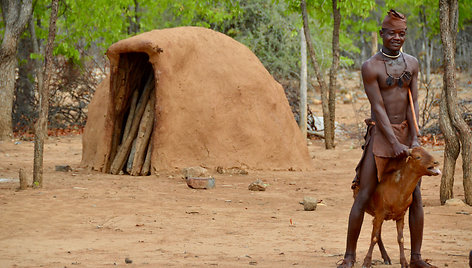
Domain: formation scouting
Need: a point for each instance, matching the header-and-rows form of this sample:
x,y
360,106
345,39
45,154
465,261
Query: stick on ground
x,y
23,179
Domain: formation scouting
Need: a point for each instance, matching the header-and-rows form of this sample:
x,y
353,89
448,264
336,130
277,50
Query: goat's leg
x,y
377,225
385,256
401,242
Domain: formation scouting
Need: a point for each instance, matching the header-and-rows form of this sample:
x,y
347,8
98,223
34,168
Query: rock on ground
x,y
192,172
309,203
257,185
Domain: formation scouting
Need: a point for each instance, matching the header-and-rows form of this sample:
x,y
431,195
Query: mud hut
x,y
207,101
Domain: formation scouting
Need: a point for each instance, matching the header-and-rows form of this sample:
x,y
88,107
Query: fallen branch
x,y
319,134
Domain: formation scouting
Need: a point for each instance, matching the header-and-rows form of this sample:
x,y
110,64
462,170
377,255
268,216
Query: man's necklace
x,y
390,56
404,77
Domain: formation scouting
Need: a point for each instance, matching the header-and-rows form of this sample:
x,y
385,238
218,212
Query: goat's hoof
x,y
367,264
387,260
346,263
404,263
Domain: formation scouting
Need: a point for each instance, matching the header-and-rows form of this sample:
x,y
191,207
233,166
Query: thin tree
x,y
333,72
302,123
456,131
16,15
373,43
41,125
329,143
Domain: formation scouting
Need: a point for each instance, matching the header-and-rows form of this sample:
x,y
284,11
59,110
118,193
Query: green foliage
x,y
2,26
270,28
85,23
36,56
465,13
270,33
70,53
353,14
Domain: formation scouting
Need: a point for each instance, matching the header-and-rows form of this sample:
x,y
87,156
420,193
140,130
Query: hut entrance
x,y
134,101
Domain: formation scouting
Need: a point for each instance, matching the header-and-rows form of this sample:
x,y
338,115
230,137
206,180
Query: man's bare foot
x,y
417,262
347,262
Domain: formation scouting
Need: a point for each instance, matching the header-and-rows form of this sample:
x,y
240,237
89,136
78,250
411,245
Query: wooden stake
x,y
129,164
413,113
23,179
147,162
124,149
132,110
142,140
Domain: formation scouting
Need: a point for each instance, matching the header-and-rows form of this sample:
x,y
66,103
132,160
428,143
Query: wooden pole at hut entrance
x,y
124,149
129,164
142,140
132,110
147,162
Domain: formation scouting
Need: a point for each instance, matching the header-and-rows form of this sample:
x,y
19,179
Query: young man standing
x,y
388,77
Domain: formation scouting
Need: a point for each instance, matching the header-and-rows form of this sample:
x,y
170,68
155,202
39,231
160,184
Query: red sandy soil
x,y
88,219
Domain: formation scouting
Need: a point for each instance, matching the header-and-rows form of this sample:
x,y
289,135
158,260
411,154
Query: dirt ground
x,y
88,219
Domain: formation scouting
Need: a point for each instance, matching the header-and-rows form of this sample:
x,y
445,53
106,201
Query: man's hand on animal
x,y
400,149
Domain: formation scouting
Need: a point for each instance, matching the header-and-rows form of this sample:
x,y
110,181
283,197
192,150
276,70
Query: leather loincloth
x,y
385,159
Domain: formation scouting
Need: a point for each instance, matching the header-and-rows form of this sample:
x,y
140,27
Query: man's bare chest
x,y
393,73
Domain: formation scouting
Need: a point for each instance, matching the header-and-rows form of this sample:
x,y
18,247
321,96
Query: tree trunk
x,y
15,16
37,50
41,126
24,106
373,43
319,77
451,152
329,135
133,19
303,85
427,46
429,58
448,16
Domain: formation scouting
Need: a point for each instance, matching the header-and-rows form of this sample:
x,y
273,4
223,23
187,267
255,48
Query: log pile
x,y
133,155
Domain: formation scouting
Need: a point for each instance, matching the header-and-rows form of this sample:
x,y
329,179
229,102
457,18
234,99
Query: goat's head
x,y
423,162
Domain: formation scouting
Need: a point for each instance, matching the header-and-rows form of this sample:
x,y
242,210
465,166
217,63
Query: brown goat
x,y
393,196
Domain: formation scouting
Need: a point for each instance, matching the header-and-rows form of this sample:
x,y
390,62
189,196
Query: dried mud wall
x,y
216,105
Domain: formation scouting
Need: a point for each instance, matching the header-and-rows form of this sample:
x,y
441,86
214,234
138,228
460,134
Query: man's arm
x,y
414,94
372,90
